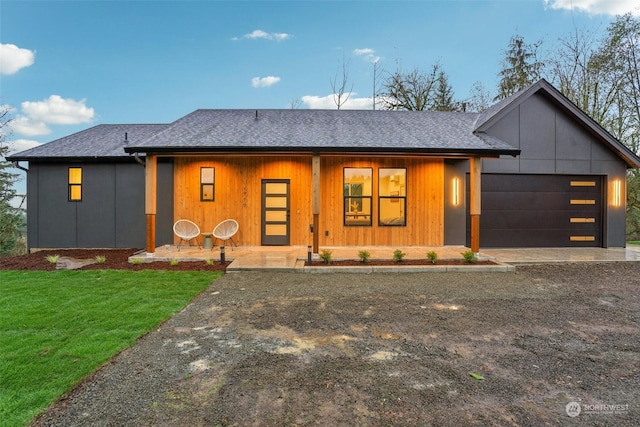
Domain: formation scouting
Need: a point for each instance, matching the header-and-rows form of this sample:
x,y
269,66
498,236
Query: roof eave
x,y
328,150
52,159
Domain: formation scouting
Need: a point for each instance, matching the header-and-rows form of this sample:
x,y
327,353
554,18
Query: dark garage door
x,y
540,211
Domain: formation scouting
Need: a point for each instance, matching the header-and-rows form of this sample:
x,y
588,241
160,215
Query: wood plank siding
x,y
238,196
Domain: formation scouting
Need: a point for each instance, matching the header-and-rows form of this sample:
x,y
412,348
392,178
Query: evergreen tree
x,y
520,67
443,94
10,217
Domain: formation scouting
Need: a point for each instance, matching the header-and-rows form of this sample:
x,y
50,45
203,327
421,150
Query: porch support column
x,y
150,178
475,169
315,201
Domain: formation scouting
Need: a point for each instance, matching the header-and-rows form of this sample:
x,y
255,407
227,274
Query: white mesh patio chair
x,y
226,230
186,230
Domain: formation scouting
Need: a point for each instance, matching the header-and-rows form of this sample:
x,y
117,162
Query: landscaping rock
x,y
67,263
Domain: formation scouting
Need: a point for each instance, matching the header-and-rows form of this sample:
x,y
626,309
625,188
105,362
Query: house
x,y
533,170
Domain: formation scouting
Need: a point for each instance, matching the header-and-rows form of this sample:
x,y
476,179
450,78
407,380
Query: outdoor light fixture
x,y
309,255
455,192
616,197
222,258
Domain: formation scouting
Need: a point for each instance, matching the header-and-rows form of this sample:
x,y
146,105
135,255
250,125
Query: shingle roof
x,y
102,141
322,130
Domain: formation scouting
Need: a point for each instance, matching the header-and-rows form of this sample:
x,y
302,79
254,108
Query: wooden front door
x,y
275,212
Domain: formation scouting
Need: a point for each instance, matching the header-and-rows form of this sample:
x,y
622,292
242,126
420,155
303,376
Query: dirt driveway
x,y
286,349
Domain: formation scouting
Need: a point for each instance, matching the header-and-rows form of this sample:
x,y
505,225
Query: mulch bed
x,y
405,262
118,259
115,259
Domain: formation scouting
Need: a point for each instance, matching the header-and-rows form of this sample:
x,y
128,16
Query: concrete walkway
x,y
292,258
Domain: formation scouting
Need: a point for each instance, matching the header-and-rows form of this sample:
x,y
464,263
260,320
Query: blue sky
x,y
69,65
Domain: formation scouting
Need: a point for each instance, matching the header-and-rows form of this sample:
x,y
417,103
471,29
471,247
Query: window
x,y
357,196
75,184
392,196
207,184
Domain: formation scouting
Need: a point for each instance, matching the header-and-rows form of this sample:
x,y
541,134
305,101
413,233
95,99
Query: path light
x,y
222,258
309,255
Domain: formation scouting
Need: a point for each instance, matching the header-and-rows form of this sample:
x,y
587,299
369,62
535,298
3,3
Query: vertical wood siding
x,y
425,204
237,193
238,187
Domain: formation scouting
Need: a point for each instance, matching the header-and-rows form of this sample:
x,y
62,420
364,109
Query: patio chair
x,y
226,230
187,231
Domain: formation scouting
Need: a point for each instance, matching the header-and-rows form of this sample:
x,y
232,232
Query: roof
x,y
101,141
370,131
323,131
493,114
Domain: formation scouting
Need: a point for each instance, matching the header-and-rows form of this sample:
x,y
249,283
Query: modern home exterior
x,y
533,170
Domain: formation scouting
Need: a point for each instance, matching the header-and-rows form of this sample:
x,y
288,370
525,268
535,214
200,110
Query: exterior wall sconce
x,y
455,192
616,196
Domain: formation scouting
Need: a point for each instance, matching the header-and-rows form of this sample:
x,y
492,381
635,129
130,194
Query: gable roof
x,y
101,141
494,113
323,131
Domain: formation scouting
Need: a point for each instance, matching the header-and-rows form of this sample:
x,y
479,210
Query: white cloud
x,y
27,127
597,7
57,110
21,145
13,58
259,34
264,81
368,54
328,102
36,116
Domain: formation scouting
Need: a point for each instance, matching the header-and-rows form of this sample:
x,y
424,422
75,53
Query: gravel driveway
x,y
287,349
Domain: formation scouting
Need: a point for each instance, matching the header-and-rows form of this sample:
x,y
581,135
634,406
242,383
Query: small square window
x,y
207,184
75,184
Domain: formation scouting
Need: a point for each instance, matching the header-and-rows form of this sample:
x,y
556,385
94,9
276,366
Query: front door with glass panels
x,y
275,212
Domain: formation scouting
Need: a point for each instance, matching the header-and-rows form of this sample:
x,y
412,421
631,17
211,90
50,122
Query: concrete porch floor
x,y
288,258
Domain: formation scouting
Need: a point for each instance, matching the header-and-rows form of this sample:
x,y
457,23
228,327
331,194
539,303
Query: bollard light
x,y
309,255
222,258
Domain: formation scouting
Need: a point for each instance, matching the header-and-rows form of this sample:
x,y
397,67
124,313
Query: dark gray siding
x,y
552,142
56,216
164,218
129,207
111,213
454,216
96,213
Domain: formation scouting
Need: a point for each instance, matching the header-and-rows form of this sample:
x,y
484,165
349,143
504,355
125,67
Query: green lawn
x,y
57,327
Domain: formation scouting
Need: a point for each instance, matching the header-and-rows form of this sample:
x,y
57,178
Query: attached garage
x,y
542,210
567,188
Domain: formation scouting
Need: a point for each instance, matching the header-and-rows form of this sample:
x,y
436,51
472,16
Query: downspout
x,y
136,155
17,165
138,159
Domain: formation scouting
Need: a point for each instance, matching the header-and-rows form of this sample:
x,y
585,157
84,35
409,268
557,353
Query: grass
x,y
58,327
